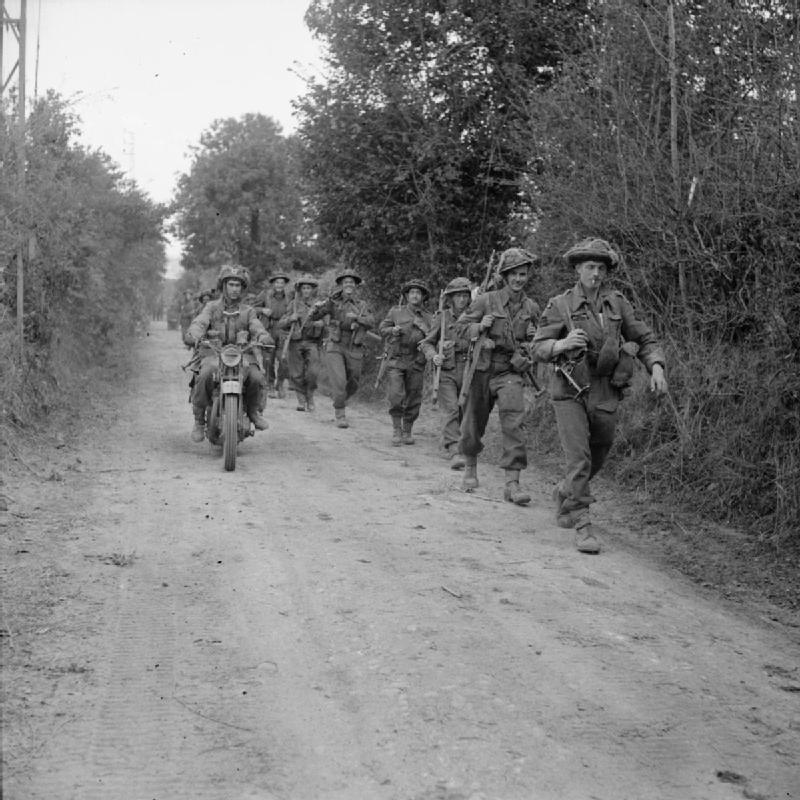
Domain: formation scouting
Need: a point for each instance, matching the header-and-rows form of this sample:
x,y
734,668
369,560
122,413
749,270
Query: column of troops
x,y
484,344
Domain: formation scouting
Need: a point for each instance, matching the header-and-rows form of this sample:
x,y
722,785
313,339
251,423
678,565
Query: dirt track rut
x,y
337,620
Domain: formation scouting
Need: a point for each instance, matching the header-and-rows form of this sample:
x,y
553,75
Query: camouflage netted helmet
x,y
348,273
308,280
229,271
278,276
414,283
205,294
458,285
515,257
592,249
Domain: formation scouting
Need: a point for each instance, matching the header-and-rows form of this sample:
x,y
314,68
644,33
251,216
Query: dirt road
x,y
335,619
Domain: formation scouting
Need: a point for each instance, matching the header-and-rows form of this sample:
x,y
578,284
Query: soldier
x,y
405,327
499,324
590,333
454,346
229,320
304,336
348,321
188,311
272,304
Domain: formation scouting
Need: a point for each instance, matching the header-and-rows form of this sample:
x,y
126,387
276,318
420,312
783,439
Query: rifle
x,y
437,371
475,345
384,357
292,329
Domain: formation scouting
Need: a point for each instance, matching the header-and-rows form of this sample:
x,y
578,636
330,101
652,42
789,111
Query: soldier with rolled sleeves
x,y
348,321
272,304
231,322
500,323
590,333
404,327
451,361
305,337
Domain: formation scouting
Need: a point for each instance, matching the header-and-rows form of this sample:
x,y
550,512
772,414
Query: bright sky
x,y
147,77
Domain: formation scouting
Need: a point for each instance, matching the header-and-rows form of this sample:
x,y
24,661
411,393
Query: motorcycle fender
x,y
230,387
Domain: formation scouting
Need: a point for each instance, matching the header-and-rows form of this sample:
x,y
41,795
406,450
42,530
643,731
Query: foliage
x,y
411,147
94,247
240,200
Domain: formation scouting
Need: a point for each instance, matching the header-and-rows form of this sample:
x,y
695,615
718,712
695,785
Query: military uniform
x,y
451,376
305,338
499,375
277,302
348,318
586,404
405,365
226,319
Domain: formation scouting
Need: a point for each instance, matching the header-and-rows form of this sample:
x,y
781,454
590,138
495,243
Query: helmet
x,y
413,283
458,285
278,275
205,294
592,249
228,271
348,273
306,279
515,257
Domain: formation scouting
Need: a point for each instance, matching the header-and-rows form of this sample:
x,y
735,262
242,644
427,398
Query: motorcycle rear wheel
x,y
230,431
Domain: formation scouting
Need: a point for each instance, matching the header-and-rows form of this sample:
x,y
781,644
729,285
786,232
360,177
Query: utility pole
x,y
17,27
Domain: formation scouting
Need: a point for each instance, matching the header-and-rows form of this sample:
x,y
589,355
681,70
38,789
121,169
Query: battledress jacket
x,y
402,350
277,304
340,331
610,324
227,320
456,342
306,327
509,331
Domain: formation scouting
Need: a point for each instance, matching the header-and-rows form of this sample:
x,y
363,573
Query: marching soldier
x,y
349,320
590,334
405,327
272,304
303,336
446,347
499,325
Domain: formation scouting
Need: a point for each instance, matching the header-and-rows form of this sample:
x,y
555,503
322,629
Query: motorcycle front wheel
x,y
230,431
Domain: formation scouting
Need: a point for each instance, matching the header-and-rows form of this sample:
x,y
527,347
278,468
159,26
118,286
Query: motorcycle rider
x,y
404,327
231,322
348,320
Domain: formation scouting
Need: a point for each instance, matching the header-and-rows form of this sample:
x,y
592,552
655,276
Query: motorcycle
x,y
227,423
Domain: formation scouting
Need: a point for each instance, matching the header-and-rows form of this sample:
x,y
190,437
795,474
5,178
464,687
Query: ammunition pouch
x,y
623,372
335,331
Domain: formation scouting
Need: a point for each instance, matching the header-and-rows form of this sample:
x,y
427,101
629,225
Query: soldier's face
x,y
305,291
279,284
348,285
414,296
591,274
233,288
460,301
517,278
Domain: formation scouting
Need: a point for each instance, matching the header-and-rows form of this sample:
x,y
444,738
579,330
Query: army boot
x,y
199,430
259,422
397,432
586,540
457,462
512,492
470,479
406,434
341,419
301,401
310,401
281,390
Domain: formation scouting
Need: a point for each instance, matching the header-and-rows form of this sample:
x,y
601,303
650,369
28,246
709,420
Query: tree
x,y
411,151
240,200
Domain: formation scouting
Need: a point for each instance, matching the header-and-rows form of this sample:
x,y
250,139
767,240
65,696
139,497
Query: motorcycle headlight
x,y
230,356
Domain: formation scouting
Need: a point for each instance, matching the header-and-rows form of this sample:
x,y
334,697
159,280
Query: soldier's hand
x,y
487,321
265,312
530,331
488,344
188,340
658,380
437,360
242,337
395,331
575,339
294,318
351,317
